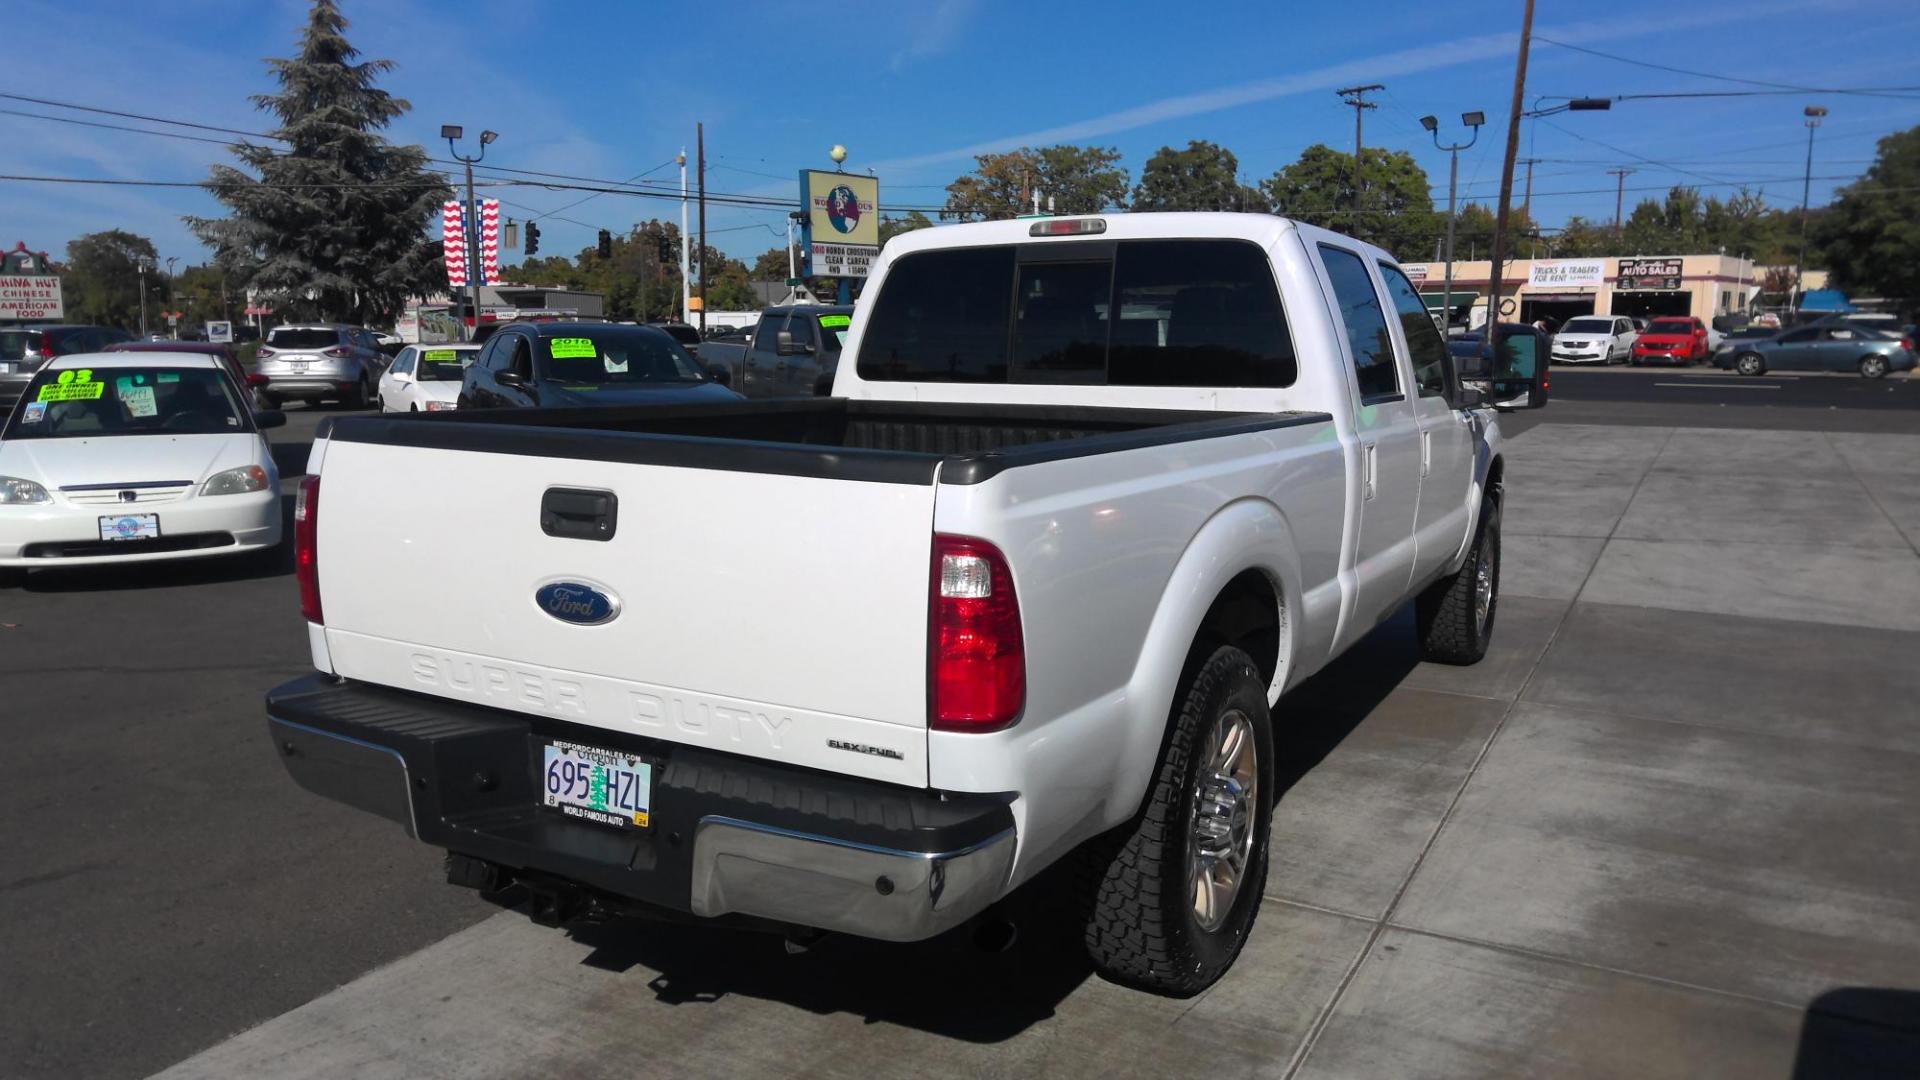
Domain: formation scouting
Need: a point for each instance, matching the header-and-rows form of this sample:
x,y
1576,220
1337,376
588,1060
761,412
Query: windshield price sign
x,y
1649,274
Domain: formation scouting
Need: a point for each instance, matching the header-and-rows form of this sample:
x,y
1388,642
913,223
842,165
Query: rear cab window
x,y
1190,313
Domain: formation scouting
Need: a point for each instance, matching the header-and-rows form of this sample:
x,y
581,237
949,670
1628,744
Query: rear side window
x,y
1365,322
295,338
1136,313
13,344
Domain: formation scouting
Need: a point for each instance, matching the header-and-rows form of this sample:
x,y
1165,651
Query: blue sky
x,y
612,89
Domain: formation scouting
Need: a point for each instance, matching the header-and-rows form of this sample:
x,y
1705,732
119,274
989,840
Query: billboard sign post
x,y
840,229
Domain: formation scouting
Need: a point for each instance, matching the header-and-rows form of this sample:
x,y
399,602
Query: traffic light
x,y
606,244
533,238
666,248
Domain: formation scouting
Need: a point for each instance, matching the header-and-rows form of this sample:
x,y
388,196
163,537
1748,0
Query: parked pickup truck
x,y
793,352
1090,495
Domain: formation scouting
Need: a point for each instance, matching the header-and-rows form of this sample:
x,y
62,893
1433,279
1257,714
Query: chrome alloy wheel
x,y
1483,588
1225,797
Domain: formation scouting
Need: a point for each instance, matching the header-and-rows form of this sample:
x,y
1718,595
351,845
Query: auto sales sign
x,y
31,297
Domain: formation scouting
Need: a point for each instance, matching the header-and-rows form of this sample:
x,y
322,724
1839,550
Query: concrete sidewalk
x,y
1671,827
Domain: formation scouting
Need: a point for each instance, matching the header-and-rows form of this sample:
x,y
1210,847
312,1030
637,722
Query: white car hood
x,y
126,459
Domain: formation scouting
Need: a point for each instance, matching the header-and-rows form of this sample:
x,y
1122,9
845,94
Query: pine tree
x,y
339,212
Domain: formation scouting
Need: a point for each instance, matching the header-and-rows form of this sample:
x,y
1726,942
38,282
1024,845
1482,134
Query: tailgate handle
x,y
579,513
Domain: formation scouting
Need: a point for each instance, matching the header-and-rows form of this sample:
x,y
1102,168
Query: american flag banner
x,y
453,239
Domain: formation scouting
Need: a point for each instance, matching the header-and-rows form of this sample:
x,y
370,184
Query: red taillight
x,y
977,659
306,552
46,344
338,351
1906,344
264,352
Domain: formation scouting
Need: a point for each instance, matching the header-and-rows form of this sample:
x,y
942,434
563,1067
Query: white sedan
x,y
132,456
425,378
1595,339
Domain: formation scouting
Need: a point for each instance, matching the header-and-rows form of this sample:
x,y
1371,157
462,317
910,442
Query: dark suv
x,y
25,349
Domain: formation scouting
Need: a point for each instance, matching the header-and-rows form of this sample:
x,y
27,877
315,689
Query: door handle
x,y
1426,452
579,513
1371,474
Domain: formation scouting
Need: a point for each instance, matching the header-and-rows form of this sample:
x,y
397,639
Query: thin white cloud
x,y
936,33
1420,58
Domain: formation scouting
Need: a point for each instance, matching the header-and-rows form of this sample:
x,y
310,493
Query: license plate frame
x,y
299,366
119,528
591,783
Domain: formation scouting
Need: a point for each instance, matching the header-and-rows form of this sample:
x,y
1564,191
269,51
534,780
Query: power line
x,y
1895,92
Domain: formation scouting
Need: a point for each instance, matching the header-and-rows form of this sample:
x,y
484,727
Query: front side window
x,y
1365,322
1797,336
1136,313
78,403
1424,347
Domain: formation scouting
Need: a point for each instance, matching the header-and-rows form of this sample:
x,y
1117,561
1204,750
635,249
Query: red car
x,y
1678,340
250,382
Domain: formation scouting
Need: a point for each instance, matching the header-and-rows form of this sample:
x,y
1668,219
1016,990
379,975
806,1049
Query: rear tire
x,y
1171,897
1455,614
1750,364
1873,367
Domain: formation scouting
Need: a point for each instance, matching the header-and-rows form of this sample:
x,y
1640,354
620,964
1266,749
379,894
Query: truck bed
x,y
833,438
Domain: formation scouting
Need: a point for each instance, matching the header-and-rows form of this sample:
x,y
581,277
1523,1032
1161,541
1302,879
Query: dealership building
x,y
1559,289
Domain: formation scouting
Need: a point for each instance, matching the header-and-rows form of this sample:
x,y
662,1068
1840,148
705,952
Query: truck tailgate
x,y
747,622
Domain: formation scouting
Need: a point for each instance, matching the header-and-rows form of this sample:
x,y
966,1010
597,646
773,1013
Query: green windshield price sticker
x,y
73,386
832,321
438,356
169,376
568,348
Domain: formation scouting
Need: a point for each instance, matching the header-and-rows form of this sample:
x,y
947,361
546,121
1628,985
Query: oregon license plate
x,y
597,785
130,527
299,367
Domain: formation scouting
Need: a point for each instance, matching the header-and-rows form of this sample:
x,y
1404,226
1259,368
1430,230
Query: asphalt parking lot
x,y
1670,827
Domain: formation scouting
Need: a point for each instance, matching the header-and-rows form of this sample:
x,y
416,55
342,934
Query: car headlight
x,y
236,481
440,406
15,491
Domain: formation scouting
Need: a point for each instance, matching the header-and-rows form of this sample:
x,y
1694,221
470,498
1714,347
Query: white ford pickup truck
x,y
1089,496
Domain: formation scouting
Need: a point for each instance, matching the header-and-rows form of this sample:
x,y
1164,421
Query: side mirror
x,y
1519,376
269,418
511,378
720,373
783,345
1470,397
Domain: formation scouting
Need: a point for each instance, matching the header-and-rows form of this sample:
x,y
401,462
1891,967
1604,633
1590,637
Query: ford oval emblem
x,y
577,602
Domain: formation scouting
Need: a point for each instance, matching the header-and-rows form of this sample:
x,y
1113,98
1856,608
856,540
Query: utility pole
x,y
1526,202
686,283
141,265
1356,96
1506,169
1619,196
1813,113
173,300
700,149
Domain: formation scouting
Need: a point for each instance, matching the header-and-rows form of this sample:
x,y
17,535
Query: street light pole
x,y
1432,124
1813,113
142,266
451,132
686,283
173,301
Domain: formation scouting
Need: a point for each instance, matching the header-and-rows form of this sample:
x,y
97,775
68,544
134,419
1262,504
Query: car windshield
x,y
13,344
617,355
83,403
443,365
293,338
1588,326
1674,326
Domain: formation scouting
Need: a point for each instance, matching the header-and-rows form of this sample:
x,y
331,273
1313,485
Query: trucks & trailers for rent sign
x,y
842,223
1567,273
31,296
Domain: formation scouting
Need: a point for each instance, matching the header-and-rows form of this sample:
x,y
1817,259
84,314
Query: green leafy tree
x,y
341,213
100,283
1869,235
891,227
1397,212
1204,176
1078,180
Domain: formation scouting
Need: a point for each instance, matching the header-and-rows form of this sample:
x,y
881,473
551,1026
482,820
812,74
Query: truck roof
x,y
1262,229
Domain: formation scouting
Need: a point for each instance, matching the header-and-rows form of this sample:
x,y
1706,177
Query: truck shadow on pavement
x,y
977,996
1860,1031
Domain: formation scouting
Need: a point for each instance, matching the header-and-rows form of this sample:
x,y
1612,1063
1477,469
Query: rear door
x,y
746,617
1389,432
1446,437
